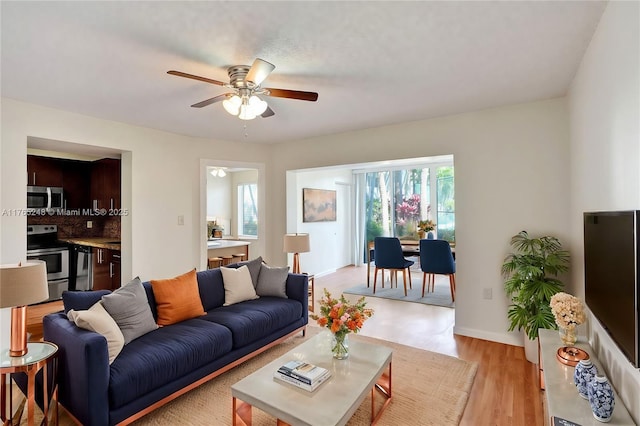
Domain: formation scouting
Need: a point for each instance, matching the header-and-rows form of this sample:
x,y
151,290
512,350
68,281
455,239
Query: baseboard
x,y
506,338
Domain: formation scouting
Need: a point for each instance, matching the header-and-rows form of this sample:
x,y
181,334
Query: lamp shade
x,y
23,283
296,243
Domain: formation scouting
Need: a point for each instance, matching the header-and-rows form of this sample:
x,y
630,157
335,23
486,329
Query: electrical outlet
x,y
181,220
487,293
89,224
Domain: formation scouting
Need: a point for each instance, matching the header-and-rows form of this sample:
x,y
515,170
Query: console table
x,y
561,397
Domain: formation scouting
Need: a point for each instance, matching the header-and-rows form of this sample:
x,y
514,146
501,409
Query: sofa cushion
x,y
272,281
97,319
237,285
255,319
211,288
177,299
163,356
254,268
81,300
130,309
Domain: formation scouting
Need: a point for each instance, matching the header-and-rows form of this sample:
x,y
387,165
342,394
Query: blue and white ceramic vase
x,y
601,398
583,374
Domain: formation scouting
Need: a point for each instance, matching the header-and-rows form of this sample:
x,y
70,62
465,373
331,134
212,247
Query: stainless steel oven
x,y
43,244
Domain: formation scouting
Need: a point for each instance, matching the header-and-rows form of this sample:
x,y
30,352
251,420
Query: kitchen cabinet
x,y
44,171
76,176
106,269
105,184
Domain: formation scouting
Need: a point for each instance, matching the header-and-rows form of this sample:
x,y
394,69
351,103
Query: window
x,y
248,209
396,199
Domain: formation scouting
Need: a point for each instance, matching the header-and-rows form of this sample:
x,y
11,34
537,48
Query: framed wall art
x,y
318,205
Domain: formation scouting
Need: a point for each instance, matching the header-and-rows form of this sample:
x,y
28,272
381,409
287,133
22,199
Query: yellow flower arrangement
x,y
426,225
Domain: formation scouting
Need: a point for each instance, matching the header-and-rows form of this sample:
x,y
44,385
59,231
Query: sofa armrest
x,y
83,375
298,289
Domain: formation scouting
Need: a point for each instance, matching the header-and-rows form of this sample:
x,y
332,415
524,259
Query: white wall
x,y
511,174
331,242
219,200
165,182
605,152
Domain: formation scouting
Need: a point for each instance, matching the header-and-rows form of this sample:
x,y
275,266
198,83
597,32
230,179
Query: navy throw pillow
x,y
81,300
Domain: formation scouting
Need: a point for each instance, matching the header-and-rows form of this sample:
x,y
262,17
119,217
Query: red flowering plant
x,y
341,317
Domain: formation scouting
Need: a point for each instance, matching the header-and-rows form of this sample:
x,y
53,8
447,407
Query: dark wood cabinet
x,y
87,184
106,269
116,268
76,183
44,171
105,184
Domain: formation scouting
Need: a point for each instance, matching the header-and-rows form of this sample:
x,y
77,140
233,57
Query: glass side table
x,y
38,356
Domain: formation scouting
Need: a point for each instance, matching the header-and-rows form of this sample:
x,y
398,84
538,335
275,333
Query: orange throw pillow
x,y
177,299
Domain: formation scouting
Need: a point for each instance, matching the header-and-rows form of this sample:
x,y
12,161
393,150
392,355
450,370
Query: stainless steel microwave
x,y
44,197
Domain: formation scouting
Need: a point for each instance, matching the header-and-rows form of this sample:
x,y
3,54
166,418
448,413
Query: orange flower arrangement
x,y
341,317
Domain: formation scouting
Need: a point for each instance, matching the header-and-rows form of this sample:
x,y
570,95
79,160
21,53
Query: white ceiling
x,y
372,63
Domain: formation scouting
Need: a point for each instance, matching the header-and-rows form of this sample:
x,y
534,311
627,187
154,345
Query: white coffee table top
x,y
335,401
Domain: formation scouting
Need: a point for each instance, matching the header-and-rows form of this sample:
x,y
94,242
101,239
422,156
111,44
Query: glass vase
x,y
568,335
340,345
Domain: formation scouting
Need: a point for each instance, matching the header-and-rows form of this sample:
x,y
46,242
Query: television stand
x,y
561,397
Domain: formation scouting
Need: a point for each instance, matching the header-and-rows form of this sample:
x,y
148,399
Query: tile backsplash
x,y
76,226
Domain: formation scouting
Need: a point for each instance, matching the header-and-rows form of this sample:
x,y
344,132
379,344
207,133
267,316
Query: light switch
x,y
181,220
89,224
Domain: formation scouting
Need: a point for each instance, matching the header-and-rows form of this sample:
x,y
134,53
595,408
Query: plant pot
x,y
531,349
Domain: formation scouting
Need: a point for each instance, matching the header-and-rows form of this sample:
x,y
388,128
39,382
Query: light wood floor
x,y
505,390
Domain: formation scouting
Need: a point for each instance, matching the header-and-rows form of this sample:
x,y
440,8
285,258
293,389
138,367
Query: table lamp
x,y
296,244
22,285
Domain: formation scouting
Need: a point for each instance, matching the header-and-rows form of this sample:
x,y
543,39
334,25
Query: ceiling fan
x,y
244,81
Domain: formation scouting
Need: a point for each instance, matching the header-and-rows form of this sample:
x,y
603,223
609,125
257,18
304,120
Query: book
x,y
296,382
303,371
559,421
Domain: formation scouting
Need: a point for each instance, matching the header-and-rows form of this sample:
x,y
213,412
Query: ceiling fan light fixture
x,y
246,113
257,105
232,105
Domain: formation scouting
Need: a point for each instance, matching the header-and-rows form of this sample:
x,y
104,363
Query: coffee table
x,y
368,369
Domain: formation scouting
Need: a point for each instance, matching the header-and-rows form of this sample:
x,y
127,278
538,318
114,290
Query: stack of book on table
x,y
302,374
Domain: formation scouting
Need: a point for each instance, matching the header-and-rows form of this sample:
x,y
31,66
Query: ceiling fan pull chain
x,y
246,134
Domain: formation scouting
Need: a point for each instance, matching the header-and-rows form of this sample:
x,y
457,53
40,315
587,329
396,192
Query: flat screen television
x,y
611,270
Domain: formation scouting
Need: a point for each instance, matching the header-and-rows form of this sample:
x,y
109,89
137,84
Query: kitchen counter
x,y
219,247
98,242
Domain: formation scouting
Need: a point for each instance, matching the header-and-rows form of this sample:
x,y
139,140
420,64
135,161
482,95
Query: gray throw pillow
x,y
272,281
129,308
254,269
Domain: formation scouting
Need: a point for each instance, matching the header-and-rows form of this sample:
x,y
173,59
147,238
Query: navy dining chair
x,y
436,259
388,255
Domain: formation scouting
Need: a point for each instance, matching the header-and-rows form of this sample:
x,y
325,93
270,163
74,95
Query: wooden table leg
x,y
383,386
241,413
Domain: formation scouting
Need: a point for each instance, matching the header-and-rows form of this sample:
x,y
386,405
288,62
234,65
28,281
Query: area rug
x,y
428,389
440,297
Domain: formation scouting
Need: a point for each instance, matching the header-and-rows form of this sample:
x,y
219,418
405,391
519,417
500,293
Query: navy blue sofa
x,y
167,362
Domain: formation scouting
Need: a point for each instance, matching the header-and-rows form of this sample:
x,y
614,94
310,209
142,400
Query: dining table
x,y
410,248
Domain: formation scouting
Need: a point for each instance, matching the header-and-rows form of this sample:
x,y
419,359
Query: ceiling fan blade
x,y
259,71
195,77
292,94
267,113
212,100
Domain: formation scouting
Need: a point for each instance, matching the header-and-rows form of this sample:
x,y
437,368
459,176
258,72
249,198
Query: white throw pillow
x,y
238,286
97,319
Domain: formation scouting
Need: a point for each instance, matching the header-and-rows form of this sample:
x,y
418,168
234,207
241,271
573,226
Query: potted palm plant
x,y
531,279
